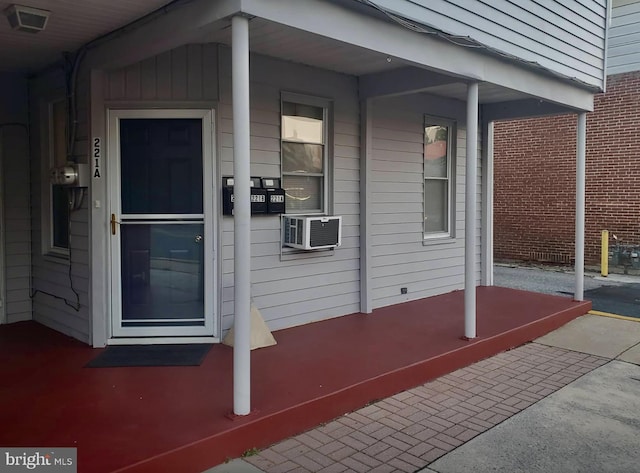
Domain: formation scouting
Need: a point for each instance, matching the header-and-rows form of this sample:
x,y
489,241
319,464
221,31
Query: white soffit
x,y
72,23
487,93
291,44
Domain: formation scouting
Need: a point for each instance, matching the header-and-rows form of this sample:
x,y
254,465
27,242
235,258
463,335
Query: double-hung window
x,y
438,166
304,154
56,238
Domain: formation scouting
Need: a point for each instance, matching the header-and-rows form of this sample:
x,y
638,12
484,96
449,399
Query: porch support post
x,y
366,146
470,213
580,191
487,203
242,216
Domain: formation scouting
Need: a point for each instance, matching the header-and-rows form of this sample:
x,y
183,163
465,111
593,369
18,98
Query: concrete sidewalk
x,y
590,426
524,386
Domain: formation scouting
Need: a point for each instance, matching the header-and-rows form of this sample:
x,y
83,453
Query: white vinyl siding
x,y
17,238
400,255
188,73
565,36
624,37
14,155
51,275
297,290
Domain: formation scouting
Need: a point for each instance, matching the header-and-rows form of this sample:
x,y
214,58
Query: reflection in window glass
x,y
60,216
59,133
162,273
437,185
302,123
435,206
303,157
435,151
58,195
303,193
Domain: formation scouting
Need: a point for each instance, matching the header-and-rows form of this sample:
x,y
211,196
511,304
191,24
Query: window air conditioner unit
x,y
312,233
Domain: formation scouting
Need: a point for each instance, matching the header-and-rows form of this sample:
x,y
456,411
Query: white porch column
x,y
470,213
366,146
487,203
580,190
242,216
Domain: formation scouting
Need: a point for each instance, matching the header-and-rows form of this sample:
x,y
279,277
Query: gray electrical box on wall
x,y
70,175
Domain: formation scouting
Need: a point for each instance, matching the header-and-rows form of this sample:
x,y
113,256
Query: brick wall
x,y
534,170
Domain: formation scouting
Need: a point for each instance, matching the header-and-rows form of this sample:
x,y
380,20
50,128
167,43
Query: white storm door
x,y
162,236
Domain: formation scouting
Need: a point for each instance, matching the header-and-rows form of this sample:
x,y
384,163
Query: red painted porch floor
x,y
173,419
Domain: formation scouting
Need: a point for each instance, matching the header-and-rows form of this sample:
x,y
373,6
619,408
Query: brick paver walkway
x,y
408,431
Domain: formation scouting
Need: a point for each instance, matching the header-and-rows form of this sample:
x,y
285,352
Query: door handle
x,y
114,222
198,238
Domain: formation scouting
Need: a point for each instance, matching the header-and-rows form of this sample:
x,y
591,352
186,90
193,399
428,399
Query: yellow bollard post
x,y
604,254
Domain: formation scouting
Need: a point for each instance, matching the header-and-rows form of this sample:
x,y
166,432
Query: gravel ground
x,y
549,279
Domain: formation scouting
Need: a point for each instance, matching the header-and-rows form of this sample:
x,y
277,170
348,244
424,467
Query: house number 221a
x,y
97,154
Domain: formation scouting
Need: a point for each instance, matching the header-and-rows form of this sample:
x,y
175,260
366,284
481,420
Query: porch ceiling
x,y
291,44
487,93
72,23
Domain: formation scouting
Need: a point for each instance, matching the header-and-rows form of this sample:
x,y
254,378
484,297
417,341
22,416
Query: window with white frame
x,y
56,236
304,154
438,166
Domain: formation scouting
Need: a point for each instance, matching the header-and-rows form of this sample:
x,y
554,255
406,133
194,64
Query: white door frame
x,y
210,330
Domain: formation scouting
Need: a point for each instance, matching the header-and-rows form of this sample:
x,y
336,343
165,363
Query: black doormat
x,y
150,355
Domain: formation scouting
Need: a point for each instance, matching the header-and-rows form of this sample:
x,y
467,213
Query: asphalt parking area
x,y
615,294
620,300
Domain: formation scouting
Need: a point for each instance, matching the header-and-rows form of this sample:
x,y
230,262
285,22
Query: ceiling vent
x,y
28,19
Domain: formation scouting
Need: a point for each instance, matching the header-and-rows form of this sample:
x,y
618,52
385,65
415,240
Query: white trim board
x,y
161,341
210,217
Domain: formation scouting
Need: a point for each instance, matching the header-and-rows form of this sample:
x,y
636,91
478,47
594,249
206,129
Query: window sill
x,y
58,258
310,213
439,240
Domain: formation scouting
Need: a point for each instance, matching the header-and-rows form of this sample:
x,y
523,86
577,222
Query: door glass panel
x,y
161,166
162,273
